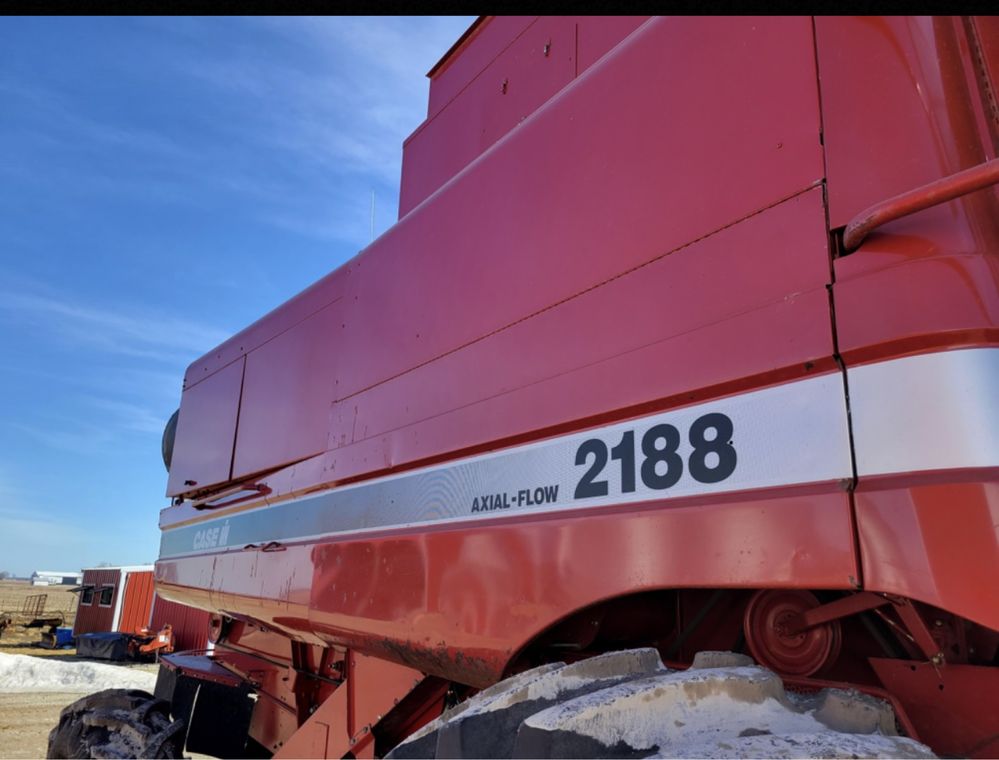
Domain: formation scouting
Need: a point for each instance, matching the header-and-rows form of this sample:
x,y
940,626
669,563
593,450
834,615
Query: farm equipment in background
x,y
149,644
50,622
57,637
32,614
686,341
144,644
32,607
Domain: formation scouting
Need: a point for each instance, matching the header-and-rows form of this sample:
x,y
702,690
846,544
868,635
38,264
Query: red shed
x,y
114,599
190,625
124,599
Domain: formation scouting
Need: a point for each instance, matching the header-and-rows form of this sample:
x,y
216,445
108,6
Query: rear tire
x,y
168,439
627,704
117,723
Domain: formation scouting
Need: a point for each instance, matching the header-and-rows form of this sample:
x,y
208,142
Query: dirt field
x,y
26,719
59,599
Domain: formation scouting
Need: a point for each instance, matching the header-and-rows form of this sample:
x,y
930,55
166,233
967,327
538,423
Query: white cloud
x,y
63,123
130,416
338,113
326,109
70,436
115,331
33,528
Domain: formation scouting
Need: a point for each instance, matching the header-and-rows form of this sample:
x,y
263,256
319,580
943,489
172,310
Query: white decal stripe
x,y
928,412
787,434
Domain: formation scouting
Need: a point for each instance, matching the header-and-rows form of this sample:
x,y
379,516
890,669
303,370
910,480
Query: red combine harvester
x,y
686,342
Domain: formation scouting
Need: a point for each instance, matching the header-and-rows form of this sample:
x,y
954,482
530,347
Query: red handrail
x,y
936,192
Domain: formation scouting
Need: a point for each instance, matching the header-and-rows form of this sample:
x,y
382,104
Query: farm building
x,y
123,599
56,578
114,599
190,625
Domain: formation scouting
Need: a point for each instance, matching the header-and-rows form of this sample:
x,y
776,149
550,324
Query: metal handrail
x,y
932,194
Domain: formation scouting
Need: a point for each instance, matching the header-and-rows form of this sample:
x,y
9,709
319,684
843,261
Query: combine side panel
x,y
917,305
644,242
206,430
499,76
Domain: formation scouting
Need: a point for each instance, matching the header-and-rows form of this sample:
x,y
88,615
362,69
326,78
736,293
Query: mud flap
x,y
217,716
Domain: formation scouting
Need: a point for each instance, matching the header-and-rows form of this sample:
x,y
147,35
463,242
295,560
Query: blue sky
x,y
163,183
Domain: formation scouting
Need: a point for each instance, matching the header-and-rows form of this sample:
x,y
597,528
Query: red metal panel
x,y
539,63
287,387
589,203
206,431
671,327
576,272
635,376
343,724
629,189
962,693
190,625
276,720
935,538
137,601
506,69
485,590
914,302
593,203
94,618
595,35
536,65
324,729
900,106
371,704
930,279
984,31
287,315
453,73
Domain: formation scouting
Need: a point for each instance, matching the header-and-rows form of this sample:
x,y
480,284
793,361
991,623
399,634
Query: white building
x,y
56,578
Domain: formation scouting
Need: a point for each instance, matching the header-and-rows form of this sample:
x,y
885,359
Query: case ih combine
x,y
686,341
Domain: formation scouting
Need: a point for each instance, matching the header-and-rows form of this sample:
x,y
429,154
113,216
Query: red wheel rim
x,y
765,625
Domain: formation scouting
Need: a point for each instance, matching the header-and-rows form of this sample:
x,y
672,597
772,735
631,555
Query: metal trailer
x,y
686,339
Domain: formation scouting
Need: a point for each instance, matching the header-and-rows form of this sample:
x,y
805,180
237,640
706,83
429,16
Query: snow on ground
x,y
21,673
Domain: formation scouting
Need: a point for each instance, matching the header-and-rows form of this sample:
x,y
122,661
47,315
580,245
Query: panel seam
x,y
577,294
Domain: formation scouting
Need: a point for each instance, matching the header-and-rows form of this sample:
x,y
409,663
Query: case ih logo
x,y
209,538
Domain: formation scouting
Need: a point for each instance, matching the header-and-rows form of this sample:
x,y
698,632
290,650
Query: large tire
x,y
627,704
117,723
168,439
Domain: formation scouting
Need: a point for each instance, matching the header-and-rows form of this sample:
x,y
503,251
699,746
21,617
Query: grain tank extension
x,y
686,341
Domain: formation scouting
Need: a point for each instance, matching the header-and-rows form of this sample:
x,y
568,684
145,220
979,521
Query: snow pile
x,y
20,673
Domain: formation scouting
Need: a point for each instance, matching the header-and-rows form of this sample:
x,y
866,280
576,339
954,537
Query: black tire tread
x,y
116,723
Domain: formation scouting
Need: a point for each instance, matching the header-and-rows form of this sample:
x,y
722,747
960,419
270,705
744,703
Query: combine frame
x,y
687,337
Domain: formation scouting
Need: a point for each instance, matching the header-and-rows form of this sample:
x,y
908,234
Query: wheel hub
x,y
768,625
